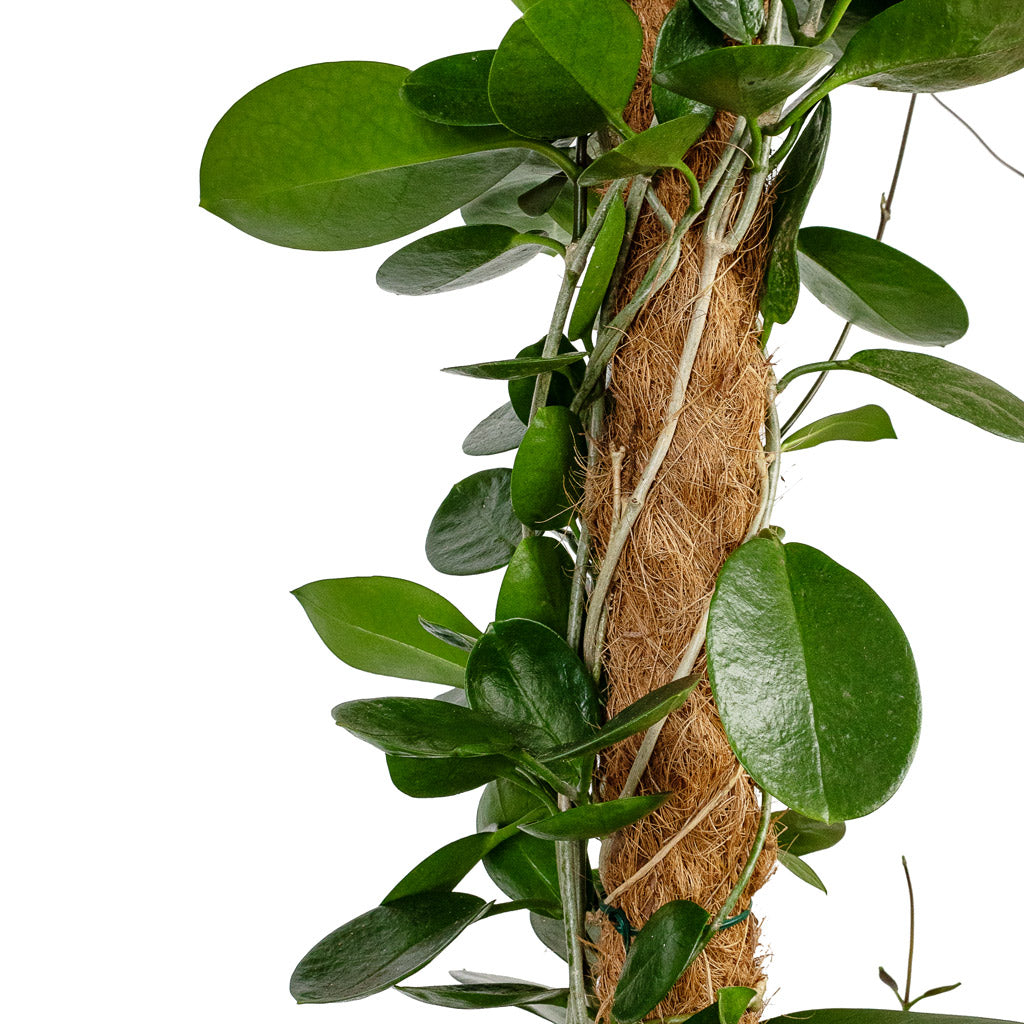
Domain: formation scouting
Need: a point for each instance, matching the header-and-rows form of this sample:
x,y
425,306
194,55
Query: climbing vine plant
x,y
811,674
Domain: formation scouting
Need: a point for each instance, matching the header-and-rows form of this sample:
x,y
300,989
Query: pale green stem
x,y
570,884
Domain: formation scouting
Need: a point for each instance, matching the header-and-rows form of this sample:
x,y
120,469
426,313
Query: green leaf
x,y
533,95
539,199
868,423
383,947
474,530
414,727
664,145
537,584
940,990
315,158
486,996
457,258
951,388
794,186
887,979
801,869
657,958
518,368
597,42
524,868
548,1011
746,80
562,390
684,33
448,636
546,475
733,1002
504,802
741,20
527,674
431,777
801,835
817,692
602,263
640,715
452,90
879,288
593,820
373,623
848,1016
501,431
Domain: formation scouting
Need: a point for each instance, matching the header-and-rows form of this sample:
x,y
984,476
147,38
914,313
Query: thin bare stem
x,y
970,128
910,953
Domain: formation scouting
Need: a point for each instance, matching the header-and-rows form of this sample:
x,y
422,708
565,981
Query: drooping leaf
x,y
546,475
801,869
554,1013
793,189
878,288
818,691
741,20
684,33
314,158
474,529
518,368
595,282
657,958
383,947
746,80
868,423
537,584
664,145
452,90
538,200
562,389
801,835
486,996
448,636
858,1016
499,432
593,820
890,982
431,777
457,258
373,623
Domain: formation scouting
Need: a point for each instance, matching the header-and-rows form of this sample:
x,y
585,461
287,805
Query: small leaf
x,y
503,802
657,958
741,20
486,996
801,869
474,530
518,368
868,423
537,584
546,475
452,90
941,990
499,432
858,1016
562,390
373,623
460,641
383,947
664,145
684,33
801,835
432,777
887,979
538,200
602,263
733,1002
878,288
594,820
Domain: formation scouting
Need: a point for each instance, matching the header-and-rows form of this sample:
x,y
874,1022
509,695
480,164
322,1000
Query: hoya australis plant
x,y
666,670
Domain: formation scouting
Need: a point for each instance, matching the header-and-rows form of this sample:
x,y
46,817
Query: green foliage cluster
x,y
813,677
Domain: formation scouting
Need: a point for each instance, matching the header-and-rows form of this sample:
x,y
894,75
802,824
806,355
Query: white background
x,y
196,423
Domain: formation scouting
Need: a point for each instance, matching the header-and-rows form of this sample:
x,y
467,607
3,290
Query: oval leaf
x,y
684,33
474,530
453,90
314,158
878,288
546,475
845,1016
802,870
537,584
801,835
739,19
486,996
868,423
594,820
818,691
383,947
431,777
501,431
373,623
518,368
602,263
664,145
524,868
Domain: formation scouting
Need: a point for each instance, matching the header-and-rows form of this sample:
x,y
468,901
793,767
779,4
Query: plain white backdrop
x,y
195,423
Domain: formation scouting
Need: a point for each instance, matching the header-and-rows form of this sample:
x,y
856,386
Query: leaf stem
x,y
910,954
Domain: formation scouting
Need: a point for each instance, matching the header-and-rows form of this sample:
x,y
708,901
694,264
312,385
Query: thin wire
x,y
991,151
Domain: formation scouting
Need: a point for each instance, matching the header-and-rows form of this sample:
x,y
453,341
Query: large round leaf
x,y
453,90
813,678
878,288
684,33
474,530
330,157
546,476
383,946
372,623
537,584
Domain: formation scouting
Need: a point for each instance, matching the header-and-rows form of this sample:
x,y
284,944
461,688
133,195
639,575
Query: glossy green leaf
x,y
597,42
314,158
793,189
801,869
538,200
741,20
801,835
951,388
849,1016
551,1012
457,258
603,259
524,868
518,368
733,1001
640,715
868,423
503,802
684,33
818,691
448,636
562,390
414,727
664,145
593,820
372,623
527,674
746,80
486,996
878,288
537,584
452,90
431,777
533,95
501,431
383,947
657,958
547,475
474,530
